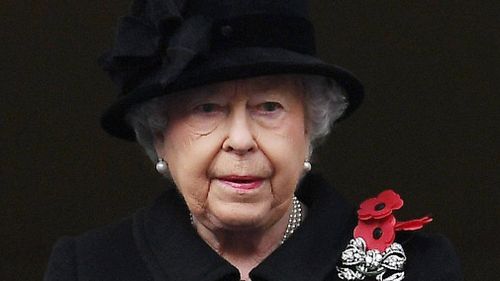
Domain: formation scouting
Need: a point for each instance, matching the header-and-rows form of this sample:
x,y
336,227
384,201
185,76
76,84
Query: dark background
x,y
429,126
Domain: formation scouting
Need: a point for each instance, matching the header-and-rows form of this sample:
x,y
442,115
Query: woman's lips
x,y
242,182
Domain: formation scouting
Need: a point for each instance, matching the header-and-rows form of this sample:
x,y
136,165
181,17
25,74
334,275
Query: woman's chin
x,y
241,216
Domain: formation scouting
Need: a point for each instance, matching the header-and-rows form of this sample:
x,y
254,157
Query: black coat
x,y
159,243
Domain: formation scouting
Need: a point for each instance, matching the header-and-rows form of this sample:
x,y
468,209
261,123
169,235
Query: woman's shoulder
x,y
425,243
97,254
429,256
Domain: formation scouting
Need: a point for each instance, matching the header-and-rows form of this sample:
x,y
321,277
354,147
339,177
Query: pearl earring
x,y
161,166
307,166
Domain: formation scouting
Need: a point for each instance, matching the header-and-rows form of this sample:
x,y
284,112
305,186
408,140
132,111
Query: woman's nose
x,y
240,138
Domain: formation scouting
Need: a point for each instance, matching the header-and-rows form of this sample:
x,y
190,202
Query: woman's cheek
x,y
286,155
195,194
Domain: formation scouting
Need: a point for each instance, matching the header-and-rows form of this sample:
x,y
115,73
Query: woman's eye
x,y
270,106
207,108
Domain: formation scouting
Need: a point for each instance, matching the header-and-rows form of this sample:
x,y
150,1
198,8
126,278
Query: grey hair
x,y
325,102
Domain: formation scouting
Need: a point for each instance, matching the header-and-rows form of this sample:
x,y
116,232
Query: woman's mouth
x,y
242,182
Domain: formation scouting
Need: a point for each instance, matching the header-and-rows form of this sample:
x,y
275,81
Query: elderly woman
x,y
228,99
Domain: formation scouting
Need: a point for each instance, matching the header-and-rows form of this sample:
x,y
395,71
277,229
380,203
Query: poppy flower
x,y
380,206
412,224
378,234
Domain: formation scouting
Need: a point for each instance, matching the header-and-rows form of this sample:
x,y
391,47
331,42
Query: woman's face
x,y
236,150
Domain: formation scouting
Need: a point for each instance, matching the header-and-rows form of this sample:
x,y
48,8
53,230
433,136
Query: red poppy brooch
x,y
373,252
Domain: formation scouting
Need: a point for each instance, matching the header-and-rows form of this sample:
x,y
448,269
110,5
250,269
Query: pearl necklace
x,y
294,219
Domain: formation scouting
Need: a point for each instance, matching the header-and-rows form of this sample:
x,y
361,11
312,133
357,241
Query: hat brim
x,y
233,64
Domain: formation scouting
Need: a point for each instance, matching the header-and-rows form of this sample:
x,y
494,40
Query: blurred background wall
x,y
429,126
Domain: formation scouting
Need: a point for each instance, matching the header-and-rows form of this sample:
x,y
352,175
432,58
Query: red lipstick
x,y
242,182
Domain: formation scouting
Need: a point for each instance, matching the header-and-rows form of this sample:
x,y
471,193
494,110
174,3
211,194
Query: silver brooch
x,y
358,263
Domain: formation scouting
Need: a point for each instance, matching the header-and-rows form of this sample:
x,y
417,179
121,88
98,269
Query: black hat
x,y
164,46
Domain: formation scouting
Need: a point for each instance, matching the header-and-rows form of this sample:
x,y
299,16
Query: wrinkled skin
x,y
236,150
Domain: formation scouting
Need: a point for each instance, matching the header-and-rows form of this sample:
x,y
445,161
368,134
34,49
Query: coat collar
x,y
173,251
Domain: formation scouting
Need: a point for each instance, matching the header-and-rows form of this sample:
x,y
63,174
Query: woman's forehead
x,y
260,84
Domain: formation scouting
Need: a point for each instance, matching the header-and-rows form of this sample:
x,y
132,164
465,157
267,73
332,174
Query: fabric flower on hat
x,y
380,206
154,44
